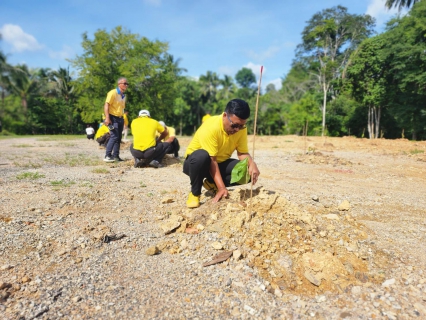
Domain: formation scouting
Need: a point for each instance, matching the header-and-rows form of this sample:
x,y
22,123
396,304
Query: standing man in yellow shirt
x,y
114,109
171,140
146,148
126,125
208,159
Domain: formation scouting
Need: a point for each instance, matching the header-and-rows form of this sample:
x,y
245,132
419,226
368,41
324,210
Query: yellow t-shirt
x,y
101,131
171,132
144,131
212,137
116,103
207,116
126,120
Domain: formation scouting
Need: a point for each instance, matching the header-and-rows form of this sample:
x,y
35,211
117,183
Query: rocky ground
x,y
334,229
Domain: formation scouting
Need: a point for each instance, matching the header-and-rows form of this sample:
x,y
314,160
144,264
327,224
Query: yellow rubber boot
x,y
193,201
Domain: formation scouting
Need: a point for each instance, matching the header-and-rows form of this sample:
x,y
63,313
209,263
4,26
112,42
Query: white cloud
x,y
277,83
66,53
20,41
155,3
255,68
378,10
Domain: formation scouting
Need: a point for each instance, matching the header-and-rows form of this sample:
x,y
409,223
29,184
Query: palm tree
x,y
64,89
400,4
209,84
26,84
228,87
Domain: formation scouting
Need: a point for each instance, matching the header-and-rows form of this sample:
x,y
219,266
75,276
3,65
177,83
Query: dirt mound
x,y
293,249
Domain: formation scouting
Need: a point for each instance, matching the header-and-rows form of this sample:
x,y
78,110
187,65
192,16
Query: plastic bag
x,y
240,173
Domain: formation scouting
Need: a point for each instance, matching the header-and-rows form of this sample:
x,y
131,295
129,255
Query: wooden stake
x,y
254,133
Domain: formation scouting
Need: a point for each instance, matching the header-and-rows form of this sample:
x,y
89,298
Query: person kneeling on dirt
x,y
171,139
102,135
208,159
146,148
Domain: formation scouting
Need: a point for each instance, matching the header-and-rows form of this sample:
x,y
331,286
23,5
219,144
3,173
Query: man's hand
x,y
254,172
221,193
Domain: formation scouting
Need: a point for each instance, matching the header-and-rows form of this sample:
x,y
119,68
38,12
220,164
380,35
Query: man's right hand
x,y
221,193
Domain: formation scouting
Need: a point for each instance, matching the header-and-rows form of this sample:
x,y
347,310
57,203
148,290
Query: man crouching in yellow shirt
x,y
146,148
208,159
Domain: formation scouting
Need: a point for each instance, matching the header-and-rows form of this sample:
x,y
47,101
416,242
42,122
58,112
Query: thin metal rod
x,y
254,132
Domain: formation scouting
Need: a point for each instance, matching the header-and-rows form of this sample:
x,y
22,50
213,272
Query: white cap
x,y
144,113
162,123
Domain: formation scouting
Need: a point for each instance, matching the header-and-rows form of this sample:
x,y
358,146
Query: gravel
x,y
354,203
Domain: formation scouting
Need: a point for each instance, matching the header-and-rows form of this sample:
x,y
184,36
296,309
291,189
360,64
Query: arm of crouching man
x,y
215,173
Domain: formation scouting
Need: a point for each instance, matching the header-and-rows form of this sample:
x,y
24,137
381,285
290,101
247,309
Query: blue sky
x,y
219,36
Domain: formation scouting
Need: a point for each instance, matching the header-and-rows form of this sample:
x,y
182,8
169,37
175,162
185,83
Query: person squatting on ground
x,y
126,125
90,132
102,135
208,159
171,139
113,109
146,148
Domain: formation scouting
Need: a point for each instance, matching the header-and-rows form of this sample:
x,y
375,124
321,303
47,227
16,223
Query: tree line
x,y
344,80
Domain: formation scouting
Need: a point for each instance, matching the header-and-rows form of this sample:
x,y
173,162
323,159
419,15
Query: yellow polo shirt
x,y
116,103
126,120
144,130
205,118
171,132
101,131
212,137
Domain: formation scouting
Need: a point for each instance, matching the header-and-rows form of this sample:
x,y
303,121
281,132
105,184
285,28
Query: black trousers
x,y
154,153
197,167
173,147
113,146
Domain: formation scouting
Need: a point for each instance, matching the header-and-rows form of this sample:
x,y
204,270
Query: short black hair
x,y
238,107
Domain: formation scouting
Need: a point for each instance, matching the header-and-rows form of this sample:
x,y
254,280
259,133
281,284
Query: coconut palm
x,y
26,84
228,87
400,4
209,83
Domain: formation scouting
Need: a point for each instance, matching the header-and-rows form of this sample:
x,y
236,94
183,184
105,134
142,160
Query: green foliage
x,y
305,116
328,40
149,69
245,78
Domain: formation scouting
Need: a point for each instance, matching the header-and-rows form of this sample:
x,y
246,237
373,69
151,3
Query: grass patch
x,y
86,184
23,145
72,160
60,137
143,185
289,141
416,151
61,183
29,175
100,170
27,165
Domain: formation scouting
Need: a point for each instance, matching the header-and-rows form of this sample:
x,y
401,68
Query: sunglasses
x,y
236,125
125,83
